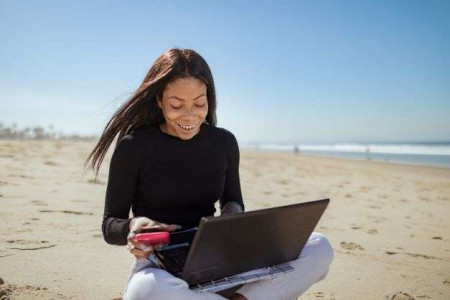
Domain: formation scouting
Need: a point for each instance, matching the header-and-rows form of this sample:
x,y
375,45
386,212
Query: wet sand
x,y
388,223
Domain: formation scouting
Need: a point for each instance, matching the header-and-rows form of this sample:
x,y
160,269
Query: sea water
x,y
418,153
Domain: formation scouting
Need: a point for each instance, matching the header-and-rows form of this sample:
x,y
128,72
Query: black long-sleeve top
x,y
168,179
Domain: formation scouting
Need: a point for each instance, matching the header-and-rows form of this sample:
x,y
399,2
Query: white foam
x,y
362,148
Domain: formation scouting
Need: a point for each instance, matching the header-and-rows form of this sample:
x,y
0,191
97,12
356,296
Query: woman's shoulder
x,y
224,134
219,131
135,141
134,137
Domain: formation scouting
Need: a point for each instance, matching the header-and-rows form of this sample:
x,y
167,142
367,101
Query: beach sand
x,y
388,223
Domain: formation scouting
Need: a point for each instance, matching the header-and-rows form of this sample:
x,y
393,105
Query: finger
x,y
132,241
137,244
139,253
131,235
170,227
158,247
141,249
153,228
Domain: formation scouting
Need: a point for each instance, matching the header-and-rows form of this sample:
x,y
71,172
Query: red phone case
x,y
153,238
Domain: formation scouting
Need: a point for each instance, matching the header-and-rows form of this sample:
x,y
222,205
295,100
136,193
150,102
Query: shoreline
x,y
342,159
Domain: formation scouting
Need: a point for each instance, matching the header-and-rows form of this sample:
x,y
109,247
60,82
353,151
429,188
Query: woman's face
x,y
184,106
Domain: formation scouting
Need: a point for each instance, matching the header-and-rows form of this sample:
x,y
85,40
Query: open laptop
x,y
230,250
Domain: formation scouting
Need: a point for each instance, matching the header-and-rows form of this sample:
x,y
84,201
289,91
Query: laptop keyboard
x,y
246,277
174,258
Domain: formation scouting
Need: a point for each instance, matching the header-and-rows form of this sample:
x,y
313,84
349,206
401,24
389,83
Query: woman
x,y
170,165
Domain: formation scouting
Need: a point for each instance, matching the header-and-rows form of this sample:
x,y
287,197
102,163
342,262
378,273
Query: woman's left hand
x,y
137,225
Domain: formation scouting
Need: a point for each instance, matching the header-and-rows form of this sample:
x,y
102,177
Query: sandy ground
x,y
388,223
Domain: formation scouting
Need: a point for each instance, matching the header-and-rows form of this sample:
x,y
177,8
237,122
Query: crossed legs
x,y
311,266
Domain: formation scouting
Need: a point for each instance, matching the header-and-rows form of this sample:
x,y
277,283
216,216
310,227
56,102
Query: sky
x,y
285,71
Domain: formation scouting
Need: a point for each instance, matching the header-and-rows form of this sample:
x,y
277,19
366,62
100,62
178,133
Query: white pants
x,y
147,282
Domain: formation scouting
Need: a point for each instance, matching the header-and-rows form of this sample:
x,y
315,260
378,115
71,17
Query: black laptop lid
x,y
229,245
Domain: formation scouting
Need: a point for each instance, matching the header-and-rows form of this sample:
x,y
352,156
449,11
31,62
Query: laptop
x,y
226,251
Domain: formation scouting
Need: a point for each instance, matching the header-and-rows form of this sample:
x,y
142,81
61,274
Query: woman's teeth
x,y
187,127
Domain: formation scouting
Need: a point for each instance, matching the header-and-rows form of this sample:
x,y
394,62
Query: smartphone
x,y
153,238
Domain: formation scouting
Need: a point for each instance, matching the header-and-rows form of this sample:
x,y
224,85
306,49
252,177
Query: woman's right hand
x,y
137,225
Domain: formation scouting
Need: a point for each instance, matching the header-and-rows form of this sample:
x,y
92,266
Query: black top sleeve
x,y
122,181
232,189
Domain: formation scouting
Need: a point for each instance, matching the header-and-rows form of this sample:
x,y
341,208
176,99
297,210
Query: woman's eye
x,y
175,107
203,105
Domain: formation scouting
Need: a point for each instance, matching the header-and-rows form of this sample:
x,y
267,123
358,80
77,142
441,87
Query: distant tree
x,y
39,132
27,131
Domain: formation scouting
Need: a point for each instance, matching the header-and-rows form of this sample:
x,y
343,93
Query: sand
x,y
388,223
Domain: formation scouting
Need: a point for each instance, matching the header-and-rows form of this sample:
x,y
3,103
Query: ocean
x,y
425,153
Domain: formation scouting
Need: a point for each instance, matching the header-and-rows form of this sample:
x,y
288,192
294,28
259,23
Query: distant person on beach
x,y
171,164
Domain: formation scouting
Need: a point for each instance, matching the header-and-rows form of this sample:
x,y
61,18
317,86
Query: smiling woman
x,y
168,146
170,166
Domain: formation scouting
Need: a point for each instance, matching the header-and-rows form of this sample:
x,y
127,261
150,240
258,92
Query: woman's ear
x,y
159,101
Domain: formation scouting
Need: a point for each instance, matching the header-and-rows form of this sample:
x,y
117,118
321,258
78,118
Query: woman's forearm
x,y
115,230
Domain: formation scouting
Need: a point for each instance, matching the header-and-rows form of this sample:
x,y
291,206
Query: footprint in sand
x,y
374,206
372,231
351,246
413,255
283,181
30,245
28,291
81,201
318,294
379,219
95,181
67,212
38,203
400,296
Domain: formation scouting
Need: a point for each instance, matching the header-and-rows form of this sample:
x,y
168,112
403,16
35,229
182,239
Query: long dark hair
x,y
142,108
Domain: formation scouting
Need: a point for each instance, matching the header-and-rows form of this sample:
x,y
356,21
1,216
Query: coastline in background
x,y
425,153
416,153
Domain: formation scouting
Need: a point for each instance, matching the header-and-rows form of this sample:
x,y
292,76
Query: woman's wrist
x,y
231,207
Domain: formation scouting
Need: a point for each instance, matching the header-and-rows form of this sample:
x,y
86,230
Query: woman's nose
x,y
188,112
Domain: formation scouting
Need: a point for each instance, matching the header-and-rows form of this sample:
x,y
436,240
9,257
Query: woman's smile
x,y
187,127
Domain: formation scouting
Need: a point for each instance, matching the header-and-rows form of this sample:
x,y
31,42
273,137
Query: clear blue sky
x,y
284,70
